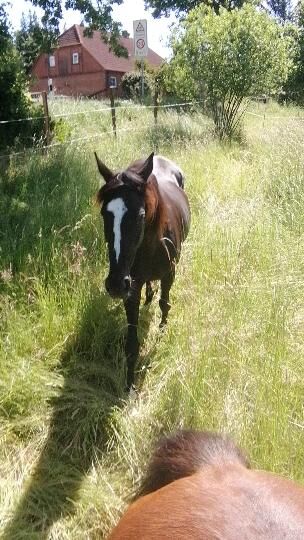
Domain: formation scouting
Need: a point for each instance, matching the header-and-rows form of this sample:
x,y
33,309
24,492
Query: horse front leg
x,y
132,344
165,306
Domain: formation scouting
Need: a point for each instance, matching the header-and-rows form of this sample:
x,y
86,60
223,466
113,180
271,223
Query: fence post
x,y
113,113
46,119
142,80
155,109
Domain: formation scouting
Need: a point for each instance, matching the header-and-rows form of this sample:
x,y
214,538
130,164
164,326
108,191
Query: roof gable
x,y
69,37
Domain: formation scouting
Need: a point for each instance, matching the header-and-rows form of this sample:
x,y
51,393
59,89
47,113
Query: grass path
x,y
72,445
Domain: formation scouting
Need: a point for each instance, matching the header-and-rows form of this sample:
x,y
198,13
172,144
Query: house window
x,y
52,61
112,82
75,59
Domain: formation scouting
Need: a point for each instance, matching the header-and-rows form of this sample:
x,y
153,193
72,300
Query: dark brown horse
x,y
146,218
199,486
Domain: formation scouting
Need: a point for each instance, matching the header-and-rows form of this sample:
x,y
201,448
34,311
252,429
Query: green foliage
x,y
229,57
61,130
294,86
131,84
155,84
32,39
14,103
182,7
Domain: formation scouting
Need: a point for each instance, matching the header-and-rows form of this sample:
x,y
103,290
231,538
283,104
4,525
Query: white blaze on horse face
x,y
118,209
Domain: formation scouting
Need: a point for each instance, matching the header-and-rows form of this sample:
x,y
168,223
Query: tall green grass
x,y
73,445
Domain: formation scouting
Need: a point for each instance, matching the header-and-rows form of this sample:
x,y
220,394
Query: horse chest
x,y
154,259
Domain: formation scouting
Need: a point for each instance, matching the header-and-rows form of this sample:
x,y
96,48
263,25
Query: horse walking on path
x,y
199,486
146,218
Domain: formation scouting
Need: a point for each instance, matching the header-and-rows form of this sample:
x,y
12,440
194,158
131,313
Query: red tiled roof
x,y
100,50
69,37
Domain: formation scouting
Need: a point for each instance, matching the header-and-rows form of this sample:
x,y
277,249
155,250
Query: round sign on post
x,y
140,43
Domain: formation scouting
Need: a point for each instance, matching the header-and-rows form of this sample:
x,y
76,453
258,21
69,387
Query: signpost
x,y
141,46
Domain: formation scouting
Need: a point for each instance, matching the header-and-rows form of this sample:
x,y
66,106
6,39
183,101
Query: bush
x,y
229,57
131,84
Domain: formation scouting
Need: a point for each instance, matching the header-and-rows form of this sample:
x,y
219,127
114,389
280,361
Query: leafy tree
x,y
229,58
294,87
181,7
32,39
14,103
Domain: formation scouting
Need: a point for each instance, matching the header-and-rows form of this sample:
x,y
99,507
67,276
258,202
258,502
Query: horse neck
x,y
155,209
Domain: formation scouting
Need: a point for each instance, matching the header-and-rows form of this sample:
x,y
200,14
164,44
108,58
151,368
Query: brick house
x,y
84,66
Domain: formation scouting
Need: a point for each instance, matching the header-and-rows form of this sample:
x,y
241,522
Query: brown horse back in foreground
x,y
199,486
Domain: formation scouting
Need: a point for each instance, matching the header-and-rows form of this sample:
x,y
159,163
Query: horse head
x,y
123,200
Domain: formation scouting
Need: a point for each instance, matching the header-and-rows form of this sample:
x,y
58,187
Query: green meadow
x,y
73,444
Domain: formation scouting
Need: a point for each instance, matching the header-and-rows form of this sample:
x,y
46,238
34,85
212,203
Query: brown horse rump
x,y
218,498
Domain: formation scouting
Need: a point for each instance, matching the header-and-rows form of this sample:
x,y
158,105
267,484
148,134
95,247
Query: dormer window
x,y
75,58
52,61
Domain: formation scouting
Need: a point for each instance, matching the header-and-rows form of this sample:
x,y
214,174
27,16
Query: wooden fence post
x,y
46,119
155,109
113,113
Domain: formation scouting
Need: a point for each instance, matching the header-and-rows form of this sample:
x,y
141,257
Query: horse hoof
x,y
133,392
131,388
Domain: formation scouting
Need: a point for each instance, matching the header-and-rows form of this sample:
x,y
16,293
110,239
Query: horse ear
x,y
147,168
103,169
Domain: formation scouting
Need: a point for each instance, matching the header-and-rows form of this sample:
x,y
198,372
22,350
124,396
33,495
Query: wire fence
x,y
138,107
112,108
73,141
264,116
104,110
105,133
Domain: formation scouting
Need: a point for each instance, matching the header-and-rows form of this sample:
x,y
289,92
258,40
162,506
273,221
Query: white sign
x,y
140,38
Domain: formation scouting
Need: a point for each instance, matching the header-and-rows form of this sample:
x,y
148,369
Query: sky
x,y
158,29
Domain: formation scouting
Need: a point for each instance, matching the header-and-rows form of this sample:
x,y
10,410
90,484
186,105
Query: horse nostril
x,y
127,283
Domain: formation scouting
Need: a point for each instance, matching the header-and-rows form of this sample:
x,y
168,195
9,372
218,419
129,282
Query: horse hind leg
x,y
149,293
164,304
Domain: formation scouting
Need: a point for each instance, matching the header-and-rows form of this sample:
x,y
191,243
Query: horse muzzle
x,y
118,287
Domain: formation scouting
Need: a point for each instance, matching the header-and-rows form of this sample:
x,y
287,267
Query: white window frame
x,y
112,78
52,60
75,56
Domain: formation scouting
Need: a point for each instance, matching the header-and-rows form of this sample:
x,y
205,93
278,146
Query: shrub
x,y
131,84
229,56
